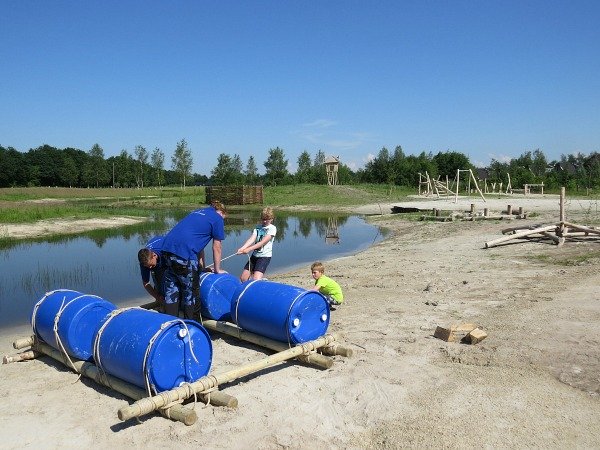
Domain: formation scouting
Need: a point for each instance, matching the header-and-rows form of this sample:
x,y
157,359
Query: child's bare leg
x,y
256,275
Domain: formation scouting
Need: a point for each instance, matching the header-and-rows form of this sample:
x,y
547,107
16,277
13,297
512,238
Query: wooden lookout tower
x,y
331,167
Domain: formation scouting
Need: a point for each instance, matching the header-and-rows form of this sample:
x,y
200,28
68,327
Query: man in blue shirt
x,y
183,249
153,263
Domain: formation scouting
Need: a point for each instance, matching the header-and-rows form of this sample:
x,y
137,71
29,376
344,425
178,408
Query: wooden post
x,y
476,186
520,211
485,212
337,349
472,208
149,404
457,185
176,412
509,209
231,329
23,342
23,356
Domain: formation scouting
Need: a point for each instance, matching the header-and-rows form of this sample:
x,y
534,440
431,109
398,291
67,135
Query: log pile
x,y
557,232
235,195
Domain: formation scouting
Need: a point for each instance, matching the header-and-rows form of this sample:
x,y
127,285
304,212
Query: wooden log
x,y
23,342
177,412
147,405
557,240
337,349
521,227
581,228
231,329
23,356
519,235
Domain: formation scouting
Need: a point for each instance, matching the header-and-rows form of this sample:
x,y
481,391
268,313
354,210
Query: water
x,y
104,262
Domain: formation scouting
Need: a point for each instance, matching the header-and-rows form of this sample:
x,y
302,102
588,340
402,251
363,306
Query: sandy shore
x,y
532,383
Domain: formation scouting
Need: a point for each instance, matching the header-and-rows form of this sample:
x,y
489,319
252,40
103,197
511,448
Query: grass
x,y
26,205
562,259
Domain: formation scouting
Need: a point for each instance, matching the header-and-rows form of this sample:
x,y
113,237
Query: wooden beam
x,y
149,404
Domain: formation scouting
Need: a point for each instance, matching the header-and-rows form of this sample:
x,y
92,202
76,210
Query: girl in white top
x,y
260,243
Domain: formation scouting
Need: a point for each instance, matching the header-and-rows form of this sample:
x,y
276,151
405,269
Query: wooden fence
x,y
235,195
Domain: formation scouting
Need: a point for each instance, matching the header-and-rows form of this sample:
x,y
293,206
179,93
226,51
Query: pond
x,y
104,262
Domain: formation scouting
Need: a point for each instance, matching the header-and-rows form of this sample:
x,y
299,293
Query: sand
x,y
534,382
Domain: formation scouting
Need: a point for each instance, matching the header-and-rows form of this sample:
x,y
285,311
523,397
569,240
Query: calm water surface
x,y
104,262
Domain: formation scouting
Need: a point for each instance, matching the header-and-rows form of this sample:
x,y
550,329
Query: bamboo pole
x,y
177,412
337,349
23,342
147,405
231,329
23,356
519,235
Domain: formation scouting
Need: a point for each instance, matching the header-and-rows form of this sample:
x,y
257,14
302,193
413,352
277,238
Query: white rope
x,y
222,259
150,388
96,353
239,299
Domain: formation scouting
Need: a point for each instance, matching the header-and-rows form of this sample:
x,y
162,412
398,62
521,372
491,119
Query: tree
x,y
157,160
449,162
237,167
95,170
223,173
251,172
304,168
142,158
318,173
276,167
182,161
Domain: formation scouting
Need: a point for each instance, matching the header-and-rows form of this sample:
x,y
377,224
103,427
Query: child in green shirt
x,y
325,285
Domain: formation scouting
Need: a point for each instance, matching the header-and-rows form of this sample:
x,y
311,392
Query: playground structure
x,y
332,164
429,187
557,232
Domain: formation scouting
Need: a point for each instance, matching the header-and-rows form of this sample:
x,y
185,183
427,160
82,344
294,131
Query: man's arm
x,y
153,292
216,247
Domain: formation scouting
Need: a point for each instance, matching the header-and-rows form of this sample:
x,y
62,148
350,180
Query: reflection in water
x,y
104,262
332,236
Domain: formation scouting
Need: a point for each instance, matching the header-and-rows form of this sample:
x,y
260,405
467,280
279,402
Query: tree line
x,y
70,167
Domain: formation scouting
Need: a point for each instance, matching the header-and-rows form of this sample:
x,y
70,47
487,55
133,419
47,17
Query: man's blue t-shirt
x,y
193,232
154,244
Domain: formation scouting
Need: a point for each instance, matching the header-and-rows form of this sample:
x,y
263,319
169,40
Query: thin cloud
x,y
320,123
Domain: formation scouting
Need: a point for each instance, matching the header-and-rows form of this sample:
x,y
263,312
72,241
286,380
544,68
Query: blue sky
x,y
491,79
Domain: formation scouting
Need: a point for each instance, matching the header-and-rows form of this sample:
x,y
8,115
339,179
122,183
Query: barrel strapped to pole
x,y
231,329
149,404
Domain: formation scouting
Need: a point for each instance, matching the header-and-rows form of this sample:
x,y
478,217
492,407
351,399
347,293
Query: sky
x,y
490,79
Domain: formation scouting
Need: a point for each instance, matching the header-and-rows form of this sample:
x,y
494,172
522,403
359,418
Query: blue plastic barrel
x,y
78,317
216,294
142,346
280,311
